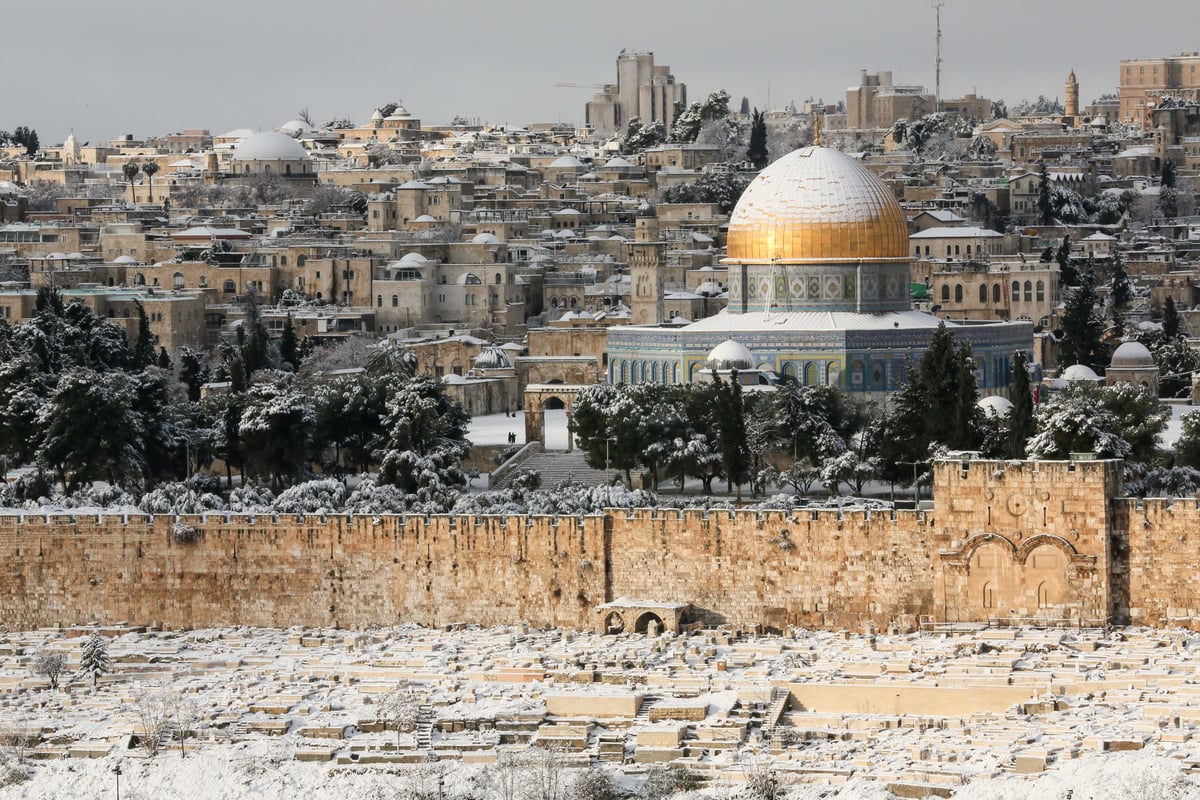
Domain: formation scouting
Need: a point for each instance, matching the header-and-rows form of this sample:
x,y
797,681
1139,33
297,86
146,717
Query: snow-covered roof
x,y
425,218
565,162
485,238
995,406
956,233
730,354
1132,355
819,321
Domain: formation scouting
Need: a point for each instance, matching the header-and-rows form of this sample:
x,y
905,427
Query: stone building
x,y
643,90
818,282
1133,363
1144,81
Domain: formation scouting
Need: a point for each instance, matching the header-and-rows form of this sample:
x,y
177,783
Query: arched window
x,y
946,292
1016,294
395,301
958,293
989,595
996,293
229,288
983,293
968,251
177,280
1041,291
1028,291
498,278
379,301
139,280
301,260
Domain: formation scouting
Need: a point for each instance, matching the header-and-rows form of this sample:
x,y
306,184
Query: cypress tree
x,y
756,153
1020,419
164,358
143,349
1044,205
1170,320
288,350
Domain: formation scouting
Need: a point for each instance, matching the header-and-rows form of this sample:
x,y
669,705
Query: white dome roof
x,y
995,406
1132,355
493,358
1079,372
294,126
485,238
270,146
425,218
566,162
730,355
414,259
124,260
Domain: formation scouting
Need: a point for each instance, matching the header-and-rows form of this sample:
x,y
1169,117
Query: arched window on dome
x,y
958,293
945,293
1041,291
1016,292
996,293
1028,291
983,295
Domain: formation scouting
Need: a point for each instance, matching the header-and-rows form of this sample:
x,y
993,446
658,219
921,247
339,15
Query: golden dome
x,y
817,205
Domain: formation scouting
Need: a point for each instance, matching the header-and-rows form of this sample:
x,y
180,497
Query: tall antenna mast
x,y
937,8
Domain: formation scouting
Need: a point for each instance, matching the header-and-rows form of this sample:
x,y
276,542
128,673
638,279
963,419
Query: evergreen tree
x,y
164,359
253,339
745,108
756,153
94,660
1081,327
1045,204
1120,292
731,435
288,350
192,372
1020,419
143,348
1170,319
964,434
1168,173
1067,274
31,143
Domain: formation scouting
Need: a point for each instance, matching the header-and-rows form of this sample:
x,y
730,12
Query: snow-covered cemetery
x,y
695,449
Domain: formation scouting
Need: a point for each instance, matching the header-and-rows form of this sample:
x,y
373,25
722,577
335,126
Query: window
x,y
1041,291
379,301
177,280
983,294
395,301
945,292
230,287
996,294
1028,292
958,293
301,260
498,279
1016,293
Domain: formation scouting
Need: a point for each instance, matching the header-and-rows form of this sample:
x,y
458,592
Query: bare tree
x,y
154,713
185,716
424,782
399,709
304,116
507,776
50,664
546,777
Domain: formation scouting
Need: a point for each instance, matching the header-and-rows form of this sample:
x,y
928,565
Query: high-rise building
x,y
642,90
1144,81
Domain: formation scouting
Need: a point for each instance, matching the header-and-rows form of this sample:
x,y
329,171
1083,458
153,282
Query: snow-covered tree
x,y
275,431
1120,421
94,660
50,664
640,136
400,710
322,496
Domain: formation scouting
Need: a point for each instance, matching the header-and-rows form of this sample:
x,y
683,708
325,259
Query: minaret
x,y
646,272
1072,93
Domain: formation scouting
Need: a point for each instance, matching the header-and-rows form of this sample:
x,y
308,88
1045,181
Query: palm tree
x,y
149,168
130,169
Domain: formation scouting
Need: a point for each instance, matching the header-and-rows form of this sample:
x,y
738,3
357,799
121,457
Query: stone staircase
x,y
772,732
643,715
424,731
556,466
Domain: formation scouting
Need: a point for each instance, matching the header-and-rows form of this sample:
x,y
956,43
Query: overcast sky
x,y
148,67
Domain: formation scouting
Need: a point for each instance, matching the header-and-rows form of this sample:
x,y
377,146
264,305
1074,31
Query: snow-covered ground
x,y
295,713
494,429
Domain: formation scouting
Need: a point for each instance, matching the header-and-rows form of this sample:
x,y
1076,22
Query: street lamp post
x,y
117,772
607,460
916,486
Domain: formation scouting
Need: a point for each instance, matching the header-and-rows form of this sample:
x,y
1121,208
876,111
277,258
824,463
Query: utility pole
x,y
937,8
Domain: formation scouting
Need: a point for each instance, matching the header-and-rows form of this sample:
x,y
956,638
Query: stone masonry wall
x,y
1005,540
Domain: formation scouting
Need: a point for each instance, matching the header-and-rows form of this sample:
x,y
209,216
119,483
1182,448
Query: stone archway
x,y
539,397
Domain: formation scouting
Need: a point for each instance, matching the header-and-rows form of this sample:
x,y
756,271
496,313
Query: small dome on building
x,y
566,162
1132,355
425,218
485,238
730,355
270,146
414,260
1079,373
995,406
493,358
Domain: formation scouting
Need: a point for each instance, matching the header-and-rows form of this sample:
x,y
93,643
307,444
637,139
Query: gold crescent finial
x,y
816,131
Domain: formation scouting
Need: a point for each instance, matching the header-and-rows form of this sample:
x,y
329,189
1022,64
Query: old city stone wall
x,y
1005,540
